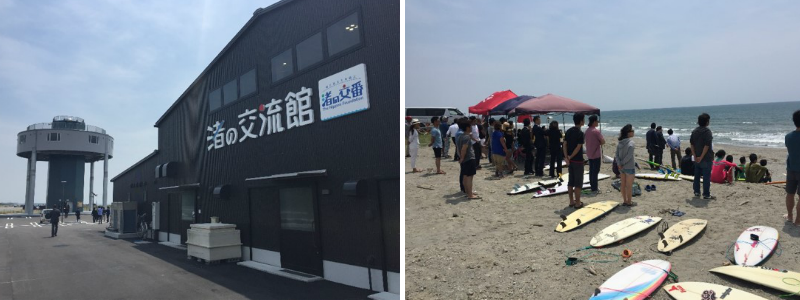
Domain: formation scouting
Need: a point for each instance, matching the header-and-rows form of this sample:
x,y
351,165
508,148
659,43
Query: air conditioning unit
x,y
156,220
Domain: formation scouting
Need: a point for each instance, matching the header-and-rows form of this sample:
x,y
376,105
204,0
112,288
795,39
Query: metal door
x,y
187,213
300,242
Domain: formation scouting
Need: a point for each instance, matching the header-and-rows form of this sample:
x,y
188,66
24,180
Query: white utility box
x,y
214,241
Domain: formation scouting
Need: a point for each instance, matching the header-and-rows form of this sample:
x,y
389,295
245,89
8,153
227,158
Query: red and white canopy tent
x,y
555,104
483,107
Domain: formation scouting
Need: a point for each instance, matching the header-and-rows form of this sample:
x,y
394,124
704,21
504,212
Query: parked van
x,y
424,114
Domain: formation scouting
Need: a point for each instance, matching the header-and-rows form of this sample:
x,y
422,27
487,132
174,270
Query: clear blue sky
x,y
117,64
612,54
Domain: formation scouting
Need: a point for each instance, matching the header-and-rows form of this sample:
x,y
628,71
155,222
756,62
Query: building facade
x,y
291,134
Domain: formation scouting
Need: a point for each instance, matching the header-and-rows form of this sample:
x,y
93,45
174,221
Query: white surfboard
x,y
782,280
635,282
680,234
519,189
688,290
585,215
754,245
544,192
623,229
658,176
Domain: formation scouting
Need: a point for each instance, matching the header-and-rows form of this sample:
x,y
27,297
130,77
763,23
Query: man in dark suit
x,y
651,144
541,146
55,214
660,145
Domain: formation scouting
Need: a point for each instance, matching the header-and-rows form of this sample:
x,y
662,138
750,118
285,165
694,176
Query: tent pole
x,y
563,123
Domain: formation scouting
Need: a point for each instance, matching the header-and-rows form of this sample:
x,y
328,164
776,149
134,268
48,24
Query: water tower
x,y
67,144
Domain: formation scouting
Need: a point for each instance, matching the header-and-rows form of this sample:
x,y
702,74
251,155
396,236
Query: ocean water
x,y
761,125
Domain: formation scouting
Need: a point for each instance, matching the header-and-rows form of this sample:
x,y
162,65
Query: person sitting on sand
x,y
792,142
719,174
625,160
740,172
687,163
767,176
755,172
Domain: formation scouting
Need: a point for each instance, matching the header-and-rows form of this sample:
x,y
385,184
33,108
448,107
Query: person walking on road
x,y
107,211
704,156
55,214
100,214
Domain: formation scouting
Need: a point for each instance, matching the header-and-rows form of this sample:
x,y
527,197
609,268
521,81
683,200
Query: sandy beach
x,y
505,247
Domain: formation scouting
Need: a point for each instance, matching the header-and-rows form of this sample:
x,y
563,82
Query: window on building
x,y
344,34
297,208
54,136
22,139
247,83
230,92
282,65
94,139
309,52
214,99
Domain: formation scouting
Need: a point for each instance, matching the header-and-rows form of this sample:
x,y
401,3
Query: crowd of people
x,y
469,135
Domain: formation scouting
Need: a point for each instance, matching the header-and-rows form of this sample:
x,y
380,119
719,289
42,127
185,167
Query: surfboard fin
x,y
563,217
661,235
596,291
681,238
579,221
664,242
563,224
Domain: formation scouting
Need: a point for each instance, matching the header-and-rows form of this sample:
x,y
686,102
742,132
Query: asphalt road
x,y
81,263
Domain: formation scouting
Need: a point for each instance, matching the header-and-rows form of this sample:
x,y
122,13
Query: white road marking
x,y
6,225
12,225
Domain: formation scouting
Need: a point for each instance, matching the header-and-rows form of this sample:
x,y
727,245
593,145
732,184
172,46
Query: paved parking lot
x,y
81,263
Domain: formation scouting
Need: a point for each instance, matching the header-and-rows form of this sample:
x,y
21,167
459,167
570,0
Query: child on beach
x,y
767,177
755,172
467,158
436,144
413,144
624,158
687,163
498,150
721,169
740,172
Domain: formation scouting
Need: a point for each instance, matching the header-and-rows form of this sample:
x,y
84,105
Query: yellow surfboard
x,y
680,234
585,215
782,280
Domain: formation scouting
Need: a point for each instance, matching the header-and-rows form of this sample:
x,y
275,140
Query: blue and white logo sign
x,y
343,93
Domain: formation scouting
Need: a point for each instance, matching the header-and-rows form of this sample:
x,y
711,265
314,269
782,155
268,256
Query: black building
x,y
291,134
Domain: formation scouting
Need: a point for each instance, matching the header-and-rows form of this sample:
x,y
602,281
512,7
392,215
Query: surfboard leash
x,y
590,251
795,283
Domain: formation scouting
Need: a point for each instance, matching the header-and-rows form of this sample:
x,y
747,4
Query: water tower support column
x,y
31,183
105,175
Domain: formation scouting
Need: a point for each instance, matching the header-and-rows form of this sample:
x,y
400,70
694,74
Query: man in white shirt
x,y
451,133
674,143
